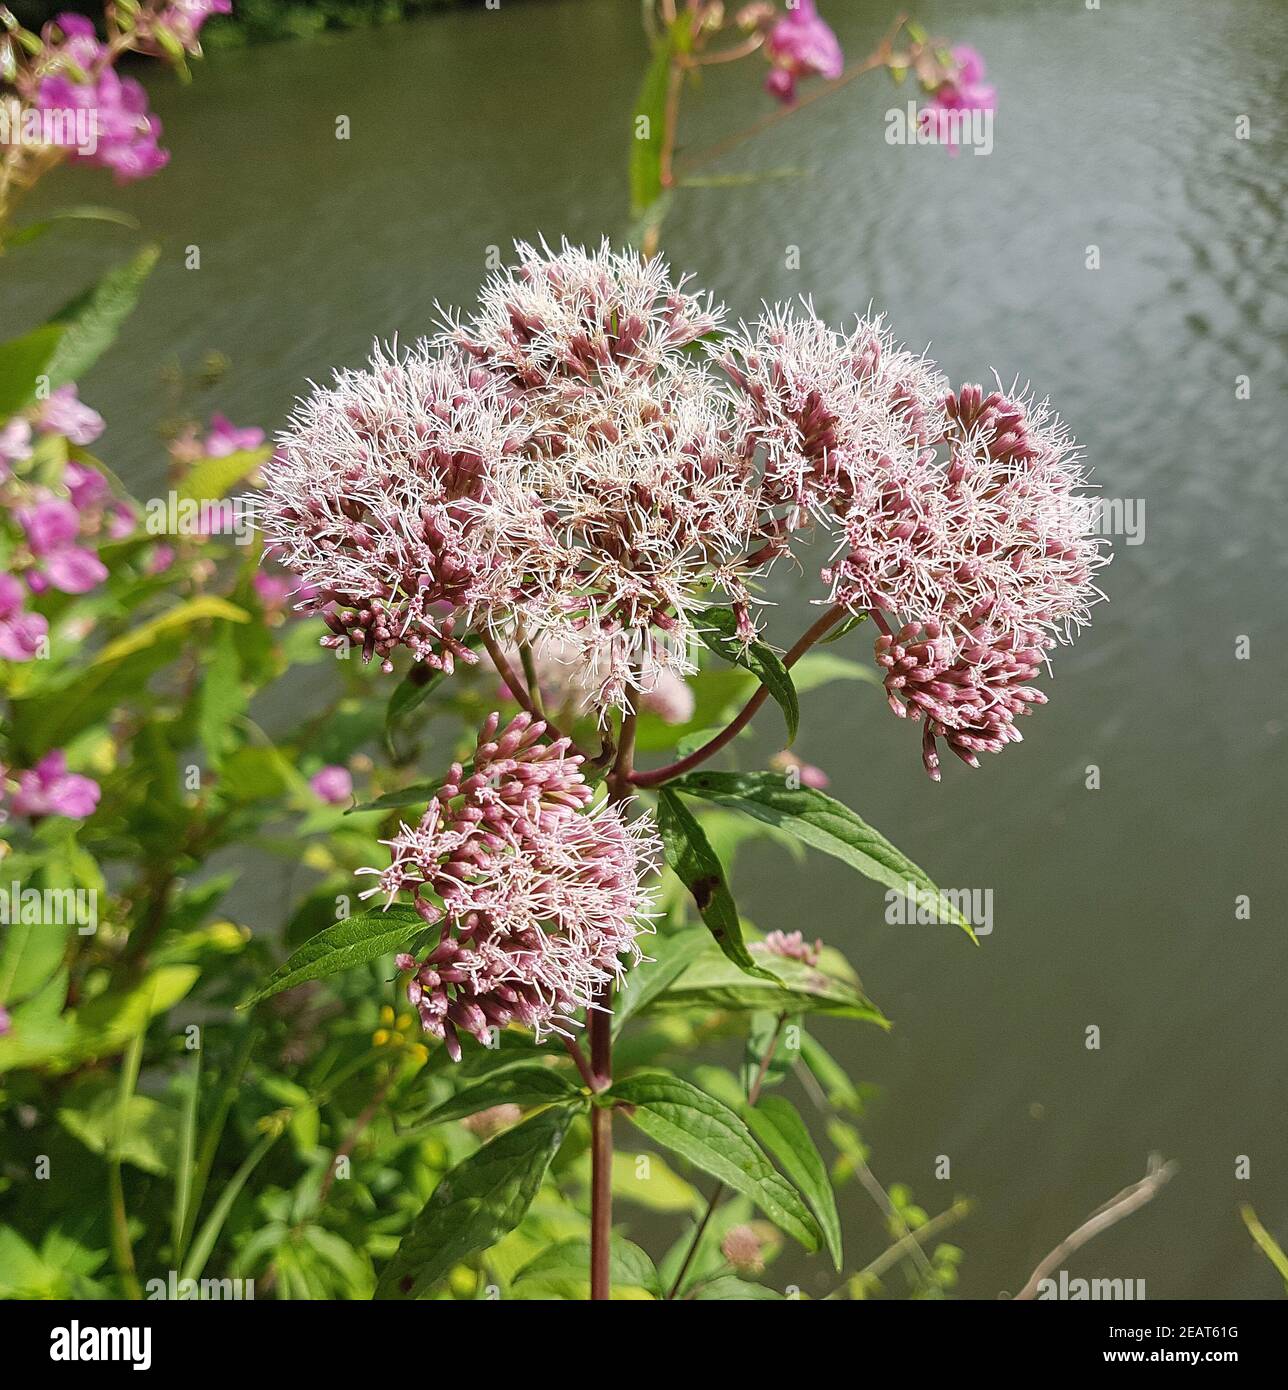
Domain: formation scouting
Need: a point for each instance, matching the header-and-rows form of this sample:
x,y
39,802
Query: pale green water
x,y
1113,907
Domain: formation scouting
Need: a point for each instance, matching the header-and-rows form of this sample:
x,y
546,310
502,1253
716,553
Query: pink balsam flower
x,y
49,789
21,633
801,44
964,91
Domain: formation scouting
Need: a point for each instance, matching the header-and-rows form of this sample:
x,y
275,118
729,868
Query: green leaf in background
x,y
647,125
842,629
671,956
729,1288
718,629
418,794
563,1272
709,1135
148,1135
823,823
208,480
531,1083
784,986
221,700
775,1122
343,947
92,320
694,863
22,360
480,1200
193,610
31,231
821,668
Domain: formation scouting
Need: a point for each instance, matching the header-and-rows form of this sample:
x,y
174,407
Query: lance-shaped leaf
x,y
345,946
695,864
718,628
92,320
482,1199
784,986
778,1126
530,1083
418,794
826,824
712,1137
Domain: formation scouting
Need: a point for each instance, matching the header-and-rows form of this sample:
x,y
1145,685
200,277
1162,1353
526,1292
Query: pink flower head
x,y
800,45
49,789
52,527
184,19
66,414
806,774
50,524
965,90
6,1023
744,1250
536,898
126,133
20,633
958,519
375,501
627,503
333,784
225,438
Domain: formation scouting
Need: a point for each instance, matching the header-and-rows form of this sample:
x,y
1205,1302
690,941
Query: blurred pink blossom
x,y
225,438
49,789
800,45
333,784
20,633
66,414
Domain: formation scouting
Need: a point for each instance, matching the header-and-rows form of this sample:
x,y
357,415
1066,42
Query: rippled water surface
x,y
1114,907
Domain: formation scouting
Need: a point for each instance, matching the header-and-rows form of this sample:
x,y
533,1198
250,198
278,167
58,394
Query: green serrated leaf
x,y
695,864
710,1135
473,1206
778,1126
718,628
343,947
825,824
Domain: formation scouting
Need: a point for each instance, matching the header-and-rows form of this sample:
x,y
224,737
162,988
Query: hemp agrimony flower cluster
x,y
588,459
584,470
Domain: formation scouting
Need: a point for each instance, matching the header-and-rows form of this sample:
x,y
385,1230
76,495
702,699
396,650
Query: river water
x,y
1113,908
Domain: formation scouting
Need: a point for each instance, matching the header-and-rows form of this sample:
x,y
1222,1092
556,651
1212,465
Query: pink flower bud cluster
x,y
537,899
